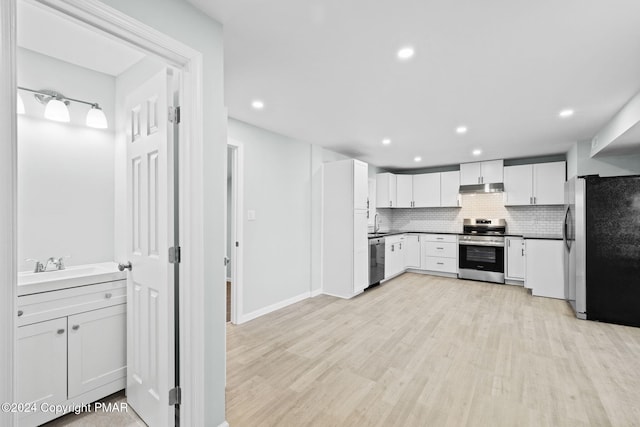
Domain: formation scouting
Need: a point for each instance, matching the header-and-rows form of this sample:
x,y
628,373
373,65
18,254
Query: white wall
x,y
183,22
276,246
580,162
65,170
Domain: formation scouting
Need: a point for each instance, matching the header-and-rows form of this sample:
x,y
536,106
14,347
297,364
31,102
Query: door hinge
x,y
174,254
175,396
174,115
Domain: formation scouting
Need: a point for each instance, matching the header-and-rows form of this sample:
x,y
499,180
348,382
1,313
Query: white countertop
x,y
80,275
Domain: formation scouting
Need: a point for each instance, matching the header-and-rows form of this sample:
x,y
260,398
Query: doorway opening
x,y
103,196
234,229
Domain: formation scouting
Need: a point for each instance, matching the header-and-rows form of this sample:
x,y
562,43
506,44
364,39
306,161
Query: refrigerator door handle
x,y
565,235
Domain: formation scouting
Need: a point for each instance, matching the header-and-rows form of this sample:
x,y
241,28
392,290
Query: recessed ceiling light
x,y
386,141
566,113
406,53
417,159
461,130
476,152
257,104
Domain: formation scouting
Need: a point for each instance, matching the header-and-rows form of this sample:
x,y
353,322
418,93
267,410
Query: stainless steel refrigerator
x,y
602,248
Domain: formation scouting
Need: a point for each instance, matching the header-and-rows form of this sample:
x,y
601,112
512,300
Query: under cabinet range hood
x,y
496,187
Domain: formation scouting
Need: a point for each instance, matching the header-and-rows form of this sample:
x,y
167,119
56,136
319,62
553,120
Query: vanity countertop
x,y
33,283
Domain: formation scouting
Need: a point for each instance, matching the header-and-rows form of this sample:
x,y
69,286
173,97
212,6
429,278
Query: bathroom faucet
x,y
39,268
57,262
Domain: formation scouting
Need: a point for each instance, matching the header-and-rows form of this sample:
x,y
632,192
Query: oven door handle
x,y
491,244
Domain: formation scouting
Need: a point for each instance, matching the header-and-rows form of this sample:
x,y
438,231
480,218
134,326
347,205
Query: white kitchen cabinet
x,y
450,189
394,251
481,172
97,352
544,267
537,184
404,191
515,261
70,347
426,190
345,265
412,254
440,253
386,190
360,185
548,183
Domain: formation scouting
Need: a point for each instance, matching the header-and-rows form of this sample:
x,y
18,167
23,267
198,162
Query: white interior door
x,y
150,319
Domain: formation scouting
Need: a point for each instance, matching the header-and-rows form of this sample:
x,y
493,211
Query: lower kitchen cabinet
x,y
75,358
515,262
394,253
544,267
440,253
412,255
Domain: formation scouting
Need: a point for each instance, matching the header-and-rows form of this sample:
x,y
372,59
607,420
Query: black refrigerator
x,y
608,240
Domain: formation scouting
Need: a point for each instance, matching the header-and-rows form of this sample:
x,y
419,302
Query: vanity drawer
x,y
50,305
450,238
438,249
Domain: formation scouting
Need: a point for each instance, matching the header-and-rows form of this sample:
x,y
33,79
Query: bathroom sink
x,y
31,283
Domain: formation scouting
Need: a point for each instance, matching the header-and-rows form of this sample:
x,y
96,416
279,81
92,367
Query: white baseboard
x,y
224,424
273,307
315,293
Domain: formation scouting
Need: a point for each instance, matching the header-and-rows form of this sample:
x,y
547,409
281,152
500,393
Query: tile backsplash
x,y
520,219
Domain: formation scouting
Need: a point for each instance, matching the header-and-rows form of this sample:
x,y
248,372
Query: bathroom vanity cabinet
x,y
71,347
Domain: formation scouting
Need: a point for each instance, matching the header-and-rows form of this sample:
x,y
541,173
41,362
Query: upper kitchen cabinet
x,y
404,191
385,190
449,189
537,184
360,185
481,172
426,190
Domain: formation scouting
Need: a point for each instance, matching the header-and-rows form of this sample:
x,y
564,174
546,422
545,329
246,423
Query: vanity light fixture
x,y
56,107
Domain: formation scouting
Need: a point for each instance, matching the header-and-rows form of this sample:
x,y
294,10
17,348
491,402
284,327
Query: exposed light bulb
x,y
56,110
20,107
96,118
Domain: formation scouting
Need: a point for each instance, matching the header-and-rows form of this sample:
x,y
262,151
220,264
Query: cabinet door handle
x,y
535,202
523,252
75,327
20,313
108,295
440,263
392,248
60,331
400,246
440,249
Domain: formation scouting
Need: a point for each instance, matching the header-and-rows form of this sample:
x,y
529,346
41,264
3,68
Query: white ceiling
x,y
47,33
328,74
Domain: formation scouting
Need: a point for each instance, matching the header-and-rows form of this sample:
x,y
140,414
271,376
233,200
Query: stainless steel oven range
x,y
481,250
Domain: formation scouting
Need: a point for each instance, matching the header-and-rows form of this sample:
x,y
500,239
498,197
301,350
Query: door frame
x,y
101,17
237,232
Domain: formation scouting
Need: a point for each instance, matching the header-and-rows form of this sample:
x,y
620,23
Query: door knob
x,y
126,266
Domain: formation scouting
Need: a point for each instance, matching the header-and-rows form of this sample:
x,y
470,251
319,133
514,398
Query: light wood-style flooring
x,y
428,351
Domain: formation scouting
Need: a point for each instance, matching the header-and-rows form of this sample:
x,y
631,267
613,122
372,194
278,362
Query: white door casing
x,y
150,320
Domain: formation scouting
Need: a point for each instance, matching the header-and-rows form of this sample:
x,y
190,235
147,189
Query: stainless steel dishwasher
x,y
376,260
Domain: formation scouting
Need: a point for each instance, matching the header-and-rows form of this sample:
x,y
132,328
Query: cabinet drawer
x,y
50,305
445,265
451,238
437,249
